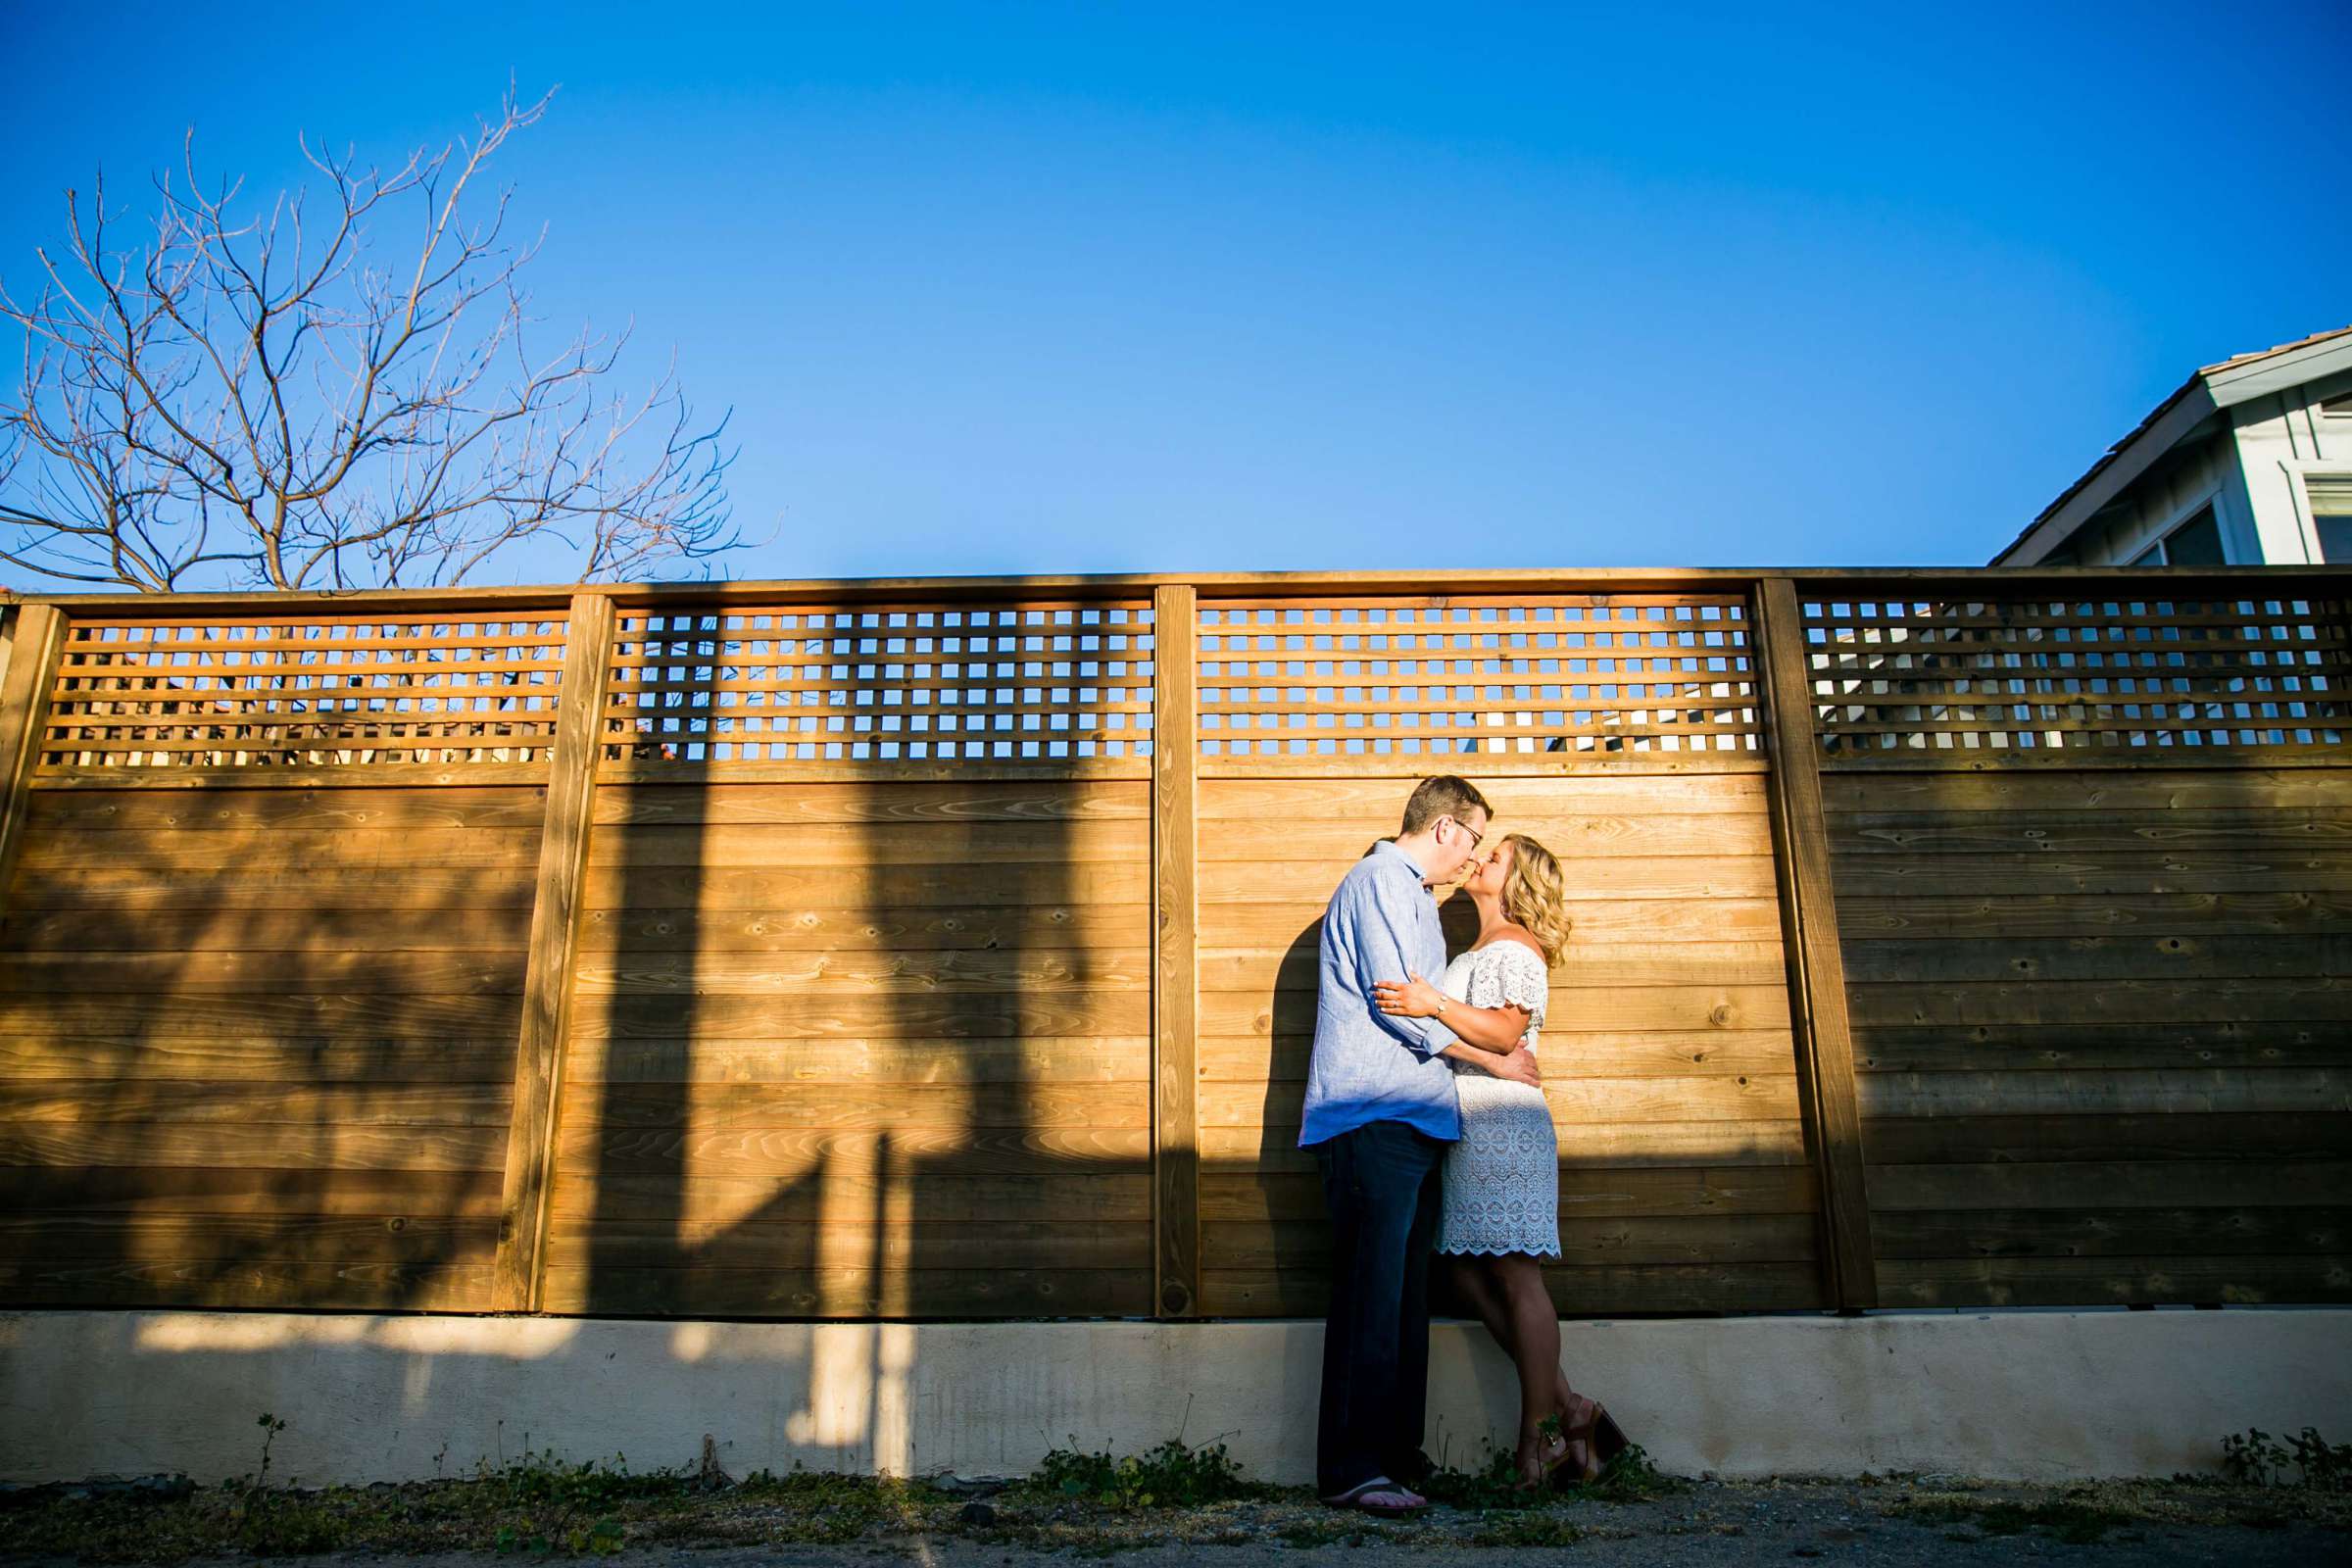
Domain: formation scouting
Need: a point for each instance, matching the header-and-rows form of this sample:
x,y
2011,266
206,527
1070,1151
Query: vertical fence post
x,y
1175,956
32,656
1817,1000
555,940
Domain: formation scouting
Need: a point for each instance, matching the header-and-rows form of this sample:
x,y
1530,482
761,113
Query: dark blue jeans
x,y
1382,1184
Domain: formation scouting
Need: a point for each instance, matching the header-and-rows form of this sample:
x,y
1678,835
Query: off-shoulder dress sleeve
x,y
1515,976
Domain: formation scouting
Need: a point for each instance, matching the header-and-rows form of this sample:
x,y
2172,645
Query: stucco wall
x,y
2011,1393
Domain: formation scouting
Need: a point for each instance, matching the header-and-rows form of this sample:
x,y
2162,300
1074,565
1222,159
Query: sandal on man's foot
x,y
1382,1498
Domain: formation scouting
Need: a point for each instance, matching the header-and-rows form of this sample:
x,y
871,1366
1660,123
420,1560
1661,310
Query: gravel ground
x,y
1898,1523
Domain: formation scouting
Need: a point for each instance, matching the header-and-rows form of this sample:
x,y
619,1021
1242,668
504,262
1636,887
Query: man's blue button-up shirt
x,y
1368,1066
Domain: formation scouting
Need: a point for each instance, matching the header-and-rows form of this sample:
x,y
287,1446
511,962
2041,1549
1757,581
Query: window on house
x,y
2339,408
2331,510
2195,543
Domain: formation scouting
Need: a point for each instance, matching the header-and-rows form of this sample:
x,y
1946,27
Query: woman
x,y
1502,1179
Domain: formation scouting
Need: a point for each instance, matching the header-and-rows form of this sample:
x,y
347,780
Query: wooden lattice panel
x,y
1482,675
2073,674
908,683
302,691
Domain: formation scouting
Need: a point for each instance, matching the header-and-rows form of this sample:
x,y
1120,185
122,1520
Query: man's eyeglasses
x,y
1476,837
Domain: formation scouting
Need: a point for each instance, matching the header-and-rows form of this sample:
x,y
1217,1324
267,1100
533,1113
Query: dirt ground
x,y
1898,1522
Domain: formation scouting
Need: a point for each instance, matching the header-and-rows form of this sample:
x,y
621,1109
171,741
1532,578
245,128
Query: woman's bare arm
x,y
1493,1031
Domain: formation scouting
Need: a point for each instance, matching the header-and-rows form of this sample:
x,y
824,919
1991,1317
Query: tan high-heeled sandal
x,y
1603,1438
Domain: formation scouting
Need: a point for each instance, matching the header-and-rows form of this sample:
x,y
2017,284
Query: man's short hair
x,y
1443,795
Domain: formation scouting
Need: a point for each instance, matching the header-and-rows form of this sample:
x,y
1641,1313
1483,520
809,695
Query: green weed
x,y
1170,1476
2255,1459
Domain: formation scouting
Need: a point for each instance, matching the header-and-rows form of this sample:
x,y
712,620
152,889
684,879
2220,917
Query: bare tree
x,y
257,401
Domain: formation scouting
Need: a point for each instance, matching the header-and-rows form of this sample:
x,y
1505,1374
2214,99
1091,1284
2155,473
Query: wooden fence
x,y
946,948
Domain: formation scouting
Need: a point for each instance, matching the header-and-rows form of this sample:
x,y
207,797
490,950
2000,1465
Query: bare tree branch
x,y
250,397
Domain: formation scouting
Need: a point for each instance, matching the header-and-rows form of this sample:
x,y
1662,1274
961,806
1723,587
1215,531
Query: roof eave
x,y
2162,429
2212,389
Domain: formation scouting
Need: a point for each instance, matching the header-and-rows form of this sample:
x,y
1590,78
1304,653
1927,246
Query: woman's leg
x,y
1474,1277
1535,1346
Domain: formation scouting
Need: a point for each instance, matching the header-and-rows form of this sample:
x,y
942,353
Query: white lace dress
x,y
1502,1180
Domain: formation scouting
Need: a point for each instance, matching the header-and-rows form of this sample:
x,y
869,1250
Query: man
x,y
1380,1113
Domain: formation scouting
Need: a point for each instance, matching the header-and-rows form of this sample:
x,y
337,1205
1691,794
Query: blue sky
x,y
1018,288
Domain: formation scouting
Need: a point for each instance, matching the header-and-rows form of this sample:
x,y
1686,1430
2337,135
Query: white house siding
x,y
2280,440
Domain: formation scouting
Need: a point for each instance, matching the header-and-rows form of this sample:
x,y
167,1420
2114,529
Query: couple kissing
x,y
1431,1132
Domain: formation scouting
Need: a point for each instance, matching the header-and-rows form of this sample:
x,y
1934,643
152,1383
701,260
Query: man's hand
x,y
1519,1068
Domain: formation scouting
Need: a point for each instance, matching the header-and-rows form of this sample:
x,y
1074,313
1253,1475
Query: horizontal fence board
x,y
295,849
250,812
2154,956
244,1142
793,1246
293,1193
1044,883
2113,1281
1575,1100
843,1173
1518,802
2060,1092
89,1101
2047,916
2020,1047
98,1236
1576,1292
344,936
1727,876
1563,1051
1742,1239
1043,803
853,930
1256,1197
285,775
2097,832
402,894
1603,917
1673,963
2118,1001
1062,1011
2284,869
1659,1143
903,1064
1573,838
946,1153
1677,1008
811,977
200,1016
856,846
213,972
2174,1135
2016,1185
849,1293
274,1284
270,1060
2229,786
699,1108
1727,755
2201,1232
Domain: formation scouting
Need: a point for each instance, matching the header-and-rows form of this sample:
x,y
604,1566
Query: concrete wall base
x,y
2024,1393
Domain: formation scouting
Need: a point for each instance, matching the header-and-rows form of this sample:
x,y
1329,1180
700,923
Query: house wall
x,y
2279,439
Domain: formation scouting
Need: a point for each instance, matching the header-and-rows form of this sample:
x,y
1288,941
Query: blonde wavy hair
x,y
1535,895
